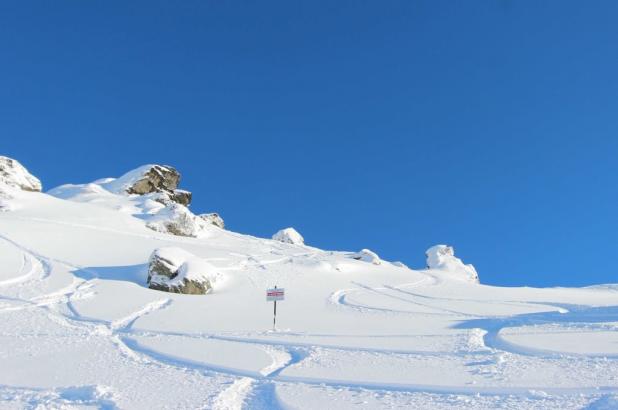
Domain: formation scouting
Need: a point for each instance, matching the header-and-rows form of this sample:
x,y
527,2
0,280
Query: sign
x,y
275,294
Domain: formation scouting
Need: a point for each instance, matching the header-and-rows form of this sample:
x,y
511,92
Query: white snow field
x,y
79,327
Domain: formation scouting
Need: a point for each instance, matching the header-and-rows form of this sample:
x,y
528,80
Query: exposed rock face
x,y
13,174
156,179
181,196
366,255
178,271
442,257
187,287
214,219
289,235
151,179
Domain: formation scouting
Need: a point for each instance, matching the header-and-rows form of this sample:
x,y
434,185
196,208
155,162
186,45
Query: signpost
x,y
273,295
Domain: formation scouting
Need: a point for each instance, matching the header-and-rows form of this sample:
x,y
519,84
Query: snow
x,y
366,255
79,327
442,257
289,235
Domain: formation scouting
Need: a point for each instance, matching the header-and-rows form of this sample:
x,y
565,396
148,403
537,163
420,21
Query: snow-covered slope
x,y
79,327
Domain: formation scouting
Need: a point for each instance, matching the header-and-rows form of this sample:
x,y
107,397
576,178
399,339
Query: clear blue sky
x,y
391,125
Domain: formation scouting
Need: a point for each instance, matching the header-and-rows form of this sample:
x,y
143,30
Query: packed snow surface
x,y
79,327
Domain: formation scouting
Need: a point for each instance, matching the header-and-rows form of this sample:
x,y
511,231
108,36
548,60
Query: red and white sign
x,y
275,294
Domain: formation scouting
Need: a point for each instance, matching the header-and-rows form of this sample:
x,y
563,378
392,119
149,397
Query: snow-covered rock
x,y
149,179
178,220
213,219
175,270
366,255
442,257
289,235
13,174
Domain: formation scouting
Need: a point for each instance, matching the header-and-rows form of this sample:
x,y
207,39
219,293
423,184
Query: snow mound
x,y
289,235
13,174
366,255
172,269
442,257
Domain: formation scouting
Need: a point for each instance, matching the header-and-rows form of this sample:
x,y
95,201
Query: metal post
x,y
275,315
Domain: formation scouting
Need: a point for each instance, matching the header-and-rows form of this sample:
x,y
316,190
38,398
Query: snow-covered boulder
x,y
442,257
289,235
149,179
13,174
175,270
366,255
178,220
213,219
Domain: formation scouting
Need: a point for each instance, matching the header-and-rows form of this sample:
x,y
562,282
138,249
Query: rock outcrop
x,y
150,179
13,174
178,271
213,219
442,257
149,193
289,235
366,255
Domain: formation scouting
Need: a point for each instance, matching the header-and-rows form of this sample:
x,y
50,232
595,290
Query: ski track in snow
x,y
258,389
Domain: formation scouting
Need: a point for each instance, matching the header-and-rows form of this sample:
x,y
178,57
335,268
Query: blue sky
x,y
488,125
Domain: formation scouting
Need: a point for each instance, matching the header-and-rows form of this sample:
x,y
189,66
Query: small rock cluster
x,y
161,182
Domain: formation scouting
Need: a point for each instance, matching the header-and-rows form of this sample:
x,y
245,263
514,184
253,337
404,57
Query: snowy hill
x,y
80,327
